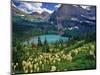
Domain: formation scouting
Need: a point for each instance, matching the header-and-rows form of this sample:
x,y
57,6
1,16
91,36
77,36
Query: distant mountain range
x,y
44,15
31,16
66,17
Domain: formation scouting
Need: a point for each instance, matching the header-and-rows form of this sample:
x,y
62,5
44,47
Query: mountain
x,y
24,15
16,11
35,14
45,15
72,11
66,12
74,17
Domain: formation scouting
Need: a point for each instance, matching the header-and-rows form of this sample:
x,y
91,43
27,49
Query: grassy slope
x,y
81,58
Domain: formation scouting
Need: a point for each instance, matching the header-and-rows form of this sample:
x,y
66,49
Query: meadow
x,y
60,56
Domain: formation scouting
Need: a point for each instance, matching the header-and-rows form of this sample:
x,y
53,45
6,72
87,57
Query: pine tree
x,y
45,42
46,46
39,42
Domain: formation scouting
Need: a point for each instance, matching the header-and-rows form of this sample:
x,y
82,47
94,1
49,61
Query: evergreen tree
x,y
45,42
46,46
39,42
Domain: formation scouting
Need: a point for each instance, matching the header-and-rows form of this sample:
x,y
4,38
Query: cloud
x,y
85,7
26,7
13,4
32,7
76,5
57,6
49,11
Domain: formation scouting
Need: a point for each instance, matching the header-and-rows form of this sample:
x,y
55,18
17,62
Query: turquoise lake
x,y
50,38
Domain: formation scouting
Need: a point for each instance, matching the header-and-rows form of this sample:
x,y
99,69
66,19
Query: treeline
x,y
87,37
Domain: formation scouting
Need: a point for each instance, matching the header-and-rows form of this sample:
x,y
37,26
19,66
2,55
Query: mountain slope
x,y
74,17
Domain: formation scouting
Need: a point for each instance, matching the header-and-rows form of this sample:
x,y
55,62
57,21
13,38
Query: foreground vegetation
x,y
60,56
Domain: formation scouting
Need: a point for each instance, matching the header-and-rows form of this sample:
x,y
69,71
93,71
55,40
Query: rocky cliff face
x,y
45,15
71,16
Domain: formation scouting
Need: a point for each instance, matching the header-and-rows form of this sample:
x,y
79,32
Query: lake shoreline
x,y
51,38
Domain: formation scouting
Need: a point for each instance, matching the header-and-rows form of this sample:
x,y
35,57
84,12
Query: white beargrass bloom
x,y
41,56
35,66
92,46
35,59
91,52
26,71
40,62
14,67
29,59
38,69
62,52
30,66
53,68
51,50
59,59
23,62
16,64
69,57
42,66
44,60
24,68
54,61
31,71
76,52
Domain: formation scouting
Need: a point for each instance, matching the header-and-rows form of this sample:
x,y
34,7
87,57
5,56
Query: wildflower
x,y
31,71
44,60
64,56
92,46
32,62
38,69
30,66
40,62
29,59
62,52
23,62
35,66
42,66
69,53
24,68
76,52
26,71
53,68
16,64
41,56
79,49
51,50
14,67
59,59
29,63
69,57
56,55
91,52
54,61
35,59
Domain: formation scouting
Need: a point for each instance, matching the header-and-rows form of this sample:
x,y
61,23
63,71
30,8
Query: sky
x,y
30,7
